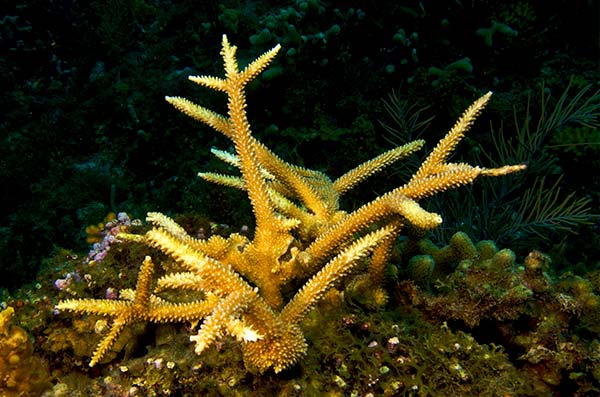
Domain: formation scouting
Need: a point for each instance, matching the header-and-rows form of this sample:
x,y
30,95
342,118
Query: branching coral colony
x,y
301,234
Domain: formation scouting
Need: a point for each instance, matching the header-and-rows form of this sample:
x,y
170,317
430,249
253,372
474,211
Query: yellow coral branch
x,y
444,147
365,170
208,117
338,267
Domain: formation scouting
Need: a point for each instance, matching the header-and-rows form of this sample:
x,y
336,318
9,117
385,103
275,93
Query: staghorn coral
x,y
302,237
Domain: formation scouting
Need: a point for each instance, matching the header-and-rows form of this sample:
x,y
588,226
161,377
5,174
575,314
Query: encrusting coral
x,y
21,372
301,236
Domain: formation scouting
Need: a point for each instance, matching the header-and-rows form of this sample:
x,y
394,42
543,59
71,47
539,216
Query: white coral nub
x,y
242,332
235,327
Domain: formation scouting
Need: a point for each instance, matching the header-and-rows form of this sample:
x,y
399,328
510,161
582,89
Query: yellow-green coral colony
x,y
21,373
302,237
460,247
421,267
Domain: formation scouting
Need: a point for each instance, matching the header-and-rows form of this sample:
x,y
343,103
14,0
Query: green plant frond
x,y
576,139
494,211
545,208
581,109
527,142
406,117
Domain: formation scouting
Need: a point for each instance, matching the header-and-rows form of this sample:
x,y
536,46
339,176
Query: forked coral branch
x,y
301,236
